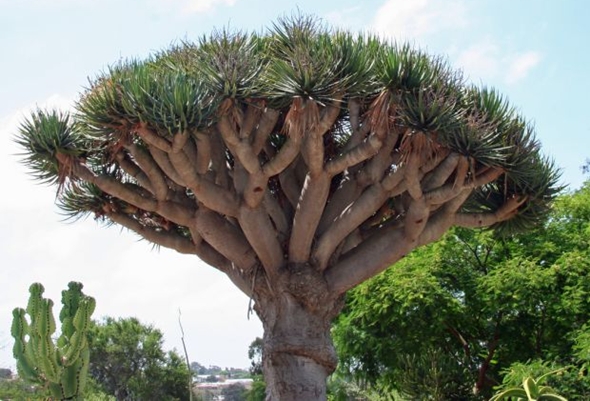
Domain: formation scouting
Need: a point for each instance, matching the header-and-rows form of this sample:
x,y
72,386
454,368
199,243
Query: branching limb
x,y
340,200
487,176
149,166
167,239
415,220
261,235
114,187
203,152
307,216
152,138
251,118
219,163
226,239
443,194
134,171
240,148
412,176
441,173
163,161
179,140
477,220
289,185
352,188
267,122
387,246
313,146
366,205
287,155
358,154
276,213
213,196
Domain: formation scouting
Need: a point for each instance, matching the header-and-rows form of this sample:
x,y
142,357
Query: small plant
x,y
61,368
531,390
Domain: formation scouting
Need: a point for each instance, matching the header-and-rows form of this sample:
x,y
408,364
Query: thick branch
x,y
226,239
240,148
264,129
167,239
213,196
151,169
354,185
366,205
134,171
441,173
478,220
152,138
179,140
412,176
163,161
203,152
385,247
354,156
114,187
307,216
286,155
218,162
289,185
415,220
276,213
261,235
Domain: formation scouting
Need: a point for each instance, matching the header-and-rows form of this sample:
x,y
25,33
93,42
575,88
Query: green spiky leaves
x,y
44,136
531,390
169,100
61,367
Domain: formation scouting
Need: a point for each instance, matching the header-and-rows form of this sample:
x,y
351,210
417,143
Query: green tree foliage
x,y
481,301
128,362
17,389
255,356
258,390
234,392
299,161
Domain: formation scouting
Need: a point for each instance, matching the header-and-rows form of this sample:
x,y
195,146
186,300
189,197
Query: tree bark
x,y
298,354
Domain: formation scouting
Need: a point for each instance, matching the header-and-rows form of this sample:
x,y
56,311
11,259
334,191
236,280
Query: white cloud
x,y
199,6
344,17
521,65
192,6
487,60
407,20
481,60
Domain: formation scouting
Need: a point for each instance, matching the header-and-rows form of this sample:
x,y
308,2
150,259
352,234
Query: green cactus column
x,y
62,368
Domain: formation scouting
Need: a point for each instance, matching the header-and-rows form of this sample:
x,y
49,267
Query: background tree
x,y
485,304
234,392
300,162
255,355
257,392
128,362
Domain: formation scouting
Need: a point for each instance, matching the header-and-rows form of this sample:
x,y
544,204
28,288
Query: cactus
x,y
62,367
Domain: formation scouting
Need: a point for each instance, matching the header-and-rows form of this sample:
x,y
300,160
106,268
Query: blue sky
x,y
533,51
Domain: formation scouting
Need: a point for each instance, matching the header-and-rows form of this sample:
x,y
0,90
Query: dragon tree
x,y
299,161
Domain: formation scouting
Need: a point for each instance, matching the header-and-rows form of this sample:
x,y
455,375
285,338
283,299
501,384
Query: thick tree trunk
x,y
298,354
